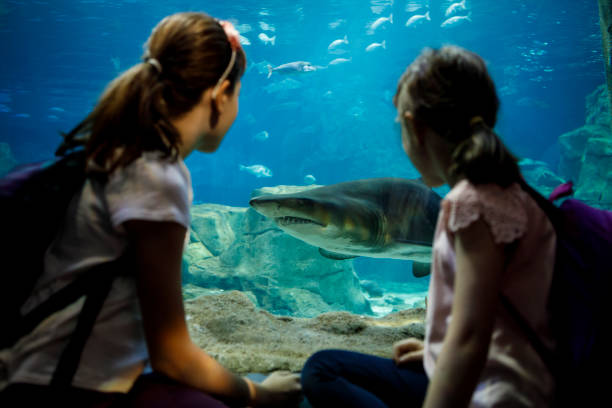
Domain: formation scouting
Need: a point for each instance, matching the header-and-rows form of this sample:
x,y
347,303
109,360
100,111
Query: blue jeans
x,y
340,378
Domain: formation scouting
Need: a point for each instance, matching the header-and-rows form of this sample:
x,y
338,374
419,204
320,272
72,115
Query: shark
x,y
377,217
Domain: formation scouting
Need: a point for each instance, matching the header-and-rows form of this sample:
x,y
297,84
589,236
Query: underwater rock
x,y
595,182
229,327
192,291
598,108
586,152
373,289
540,176
236,248
394,300
213,226
7,161
572,146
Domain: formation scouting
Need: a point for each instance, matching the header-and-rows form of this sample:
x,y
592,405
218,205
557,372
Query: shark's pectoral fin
x,y
420,269
335,255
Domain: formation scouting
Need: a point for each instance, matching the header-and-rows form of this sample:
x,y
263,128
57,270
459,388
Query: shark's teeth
x,y
294,220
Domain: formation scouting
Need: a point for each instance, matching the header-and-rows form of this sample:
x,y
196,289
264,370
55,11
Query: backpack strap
x,y
546,354
95,297
95,285
61,299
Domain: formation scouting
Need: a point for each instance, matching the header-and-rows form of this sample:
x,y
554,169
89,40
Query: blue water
x,y
335,123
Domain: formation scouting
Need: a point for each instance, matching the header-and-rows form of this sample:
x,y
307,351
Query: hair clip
x,y
476,120
155,63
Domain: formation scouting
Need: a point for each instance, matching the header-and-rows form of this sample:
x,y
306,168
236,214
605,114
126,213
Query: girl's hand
x,y
280,389
408,351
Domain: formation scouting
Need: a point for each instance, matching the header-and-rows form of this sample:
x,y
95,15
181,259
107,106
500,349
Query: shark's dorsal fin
x,y
335,255
420,269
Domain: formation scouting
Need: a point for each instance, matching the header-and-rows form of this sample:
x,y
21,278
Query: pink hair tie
x,y
232,34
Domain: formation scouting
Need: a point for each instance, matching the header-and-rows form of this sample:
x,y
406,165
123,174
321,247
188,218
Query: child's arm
x,y
159,247
479,266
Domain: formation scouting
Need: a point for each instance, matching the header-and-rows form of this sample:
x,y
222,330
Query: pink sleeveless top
x,y
513,375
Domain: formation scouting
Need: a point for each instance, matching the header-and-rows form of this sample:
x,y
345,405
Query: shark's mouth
x,y
286,221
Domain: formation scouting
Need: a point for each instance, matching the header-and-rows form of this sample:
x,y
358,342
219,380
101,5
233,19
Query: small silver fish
x,y
266,27
418,19
309,179
455,8
340,61
244,28
375,46
261,136
337,43
336,24
381,21
244,40
263,37
258,170
455,21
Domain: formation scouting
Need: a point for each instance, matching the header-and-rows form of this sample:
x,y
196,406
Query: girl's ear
x,y
416,127
221,97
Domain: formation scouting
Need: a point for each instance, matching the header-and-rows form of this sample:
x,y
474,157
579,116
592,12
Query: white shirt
x,y
150,188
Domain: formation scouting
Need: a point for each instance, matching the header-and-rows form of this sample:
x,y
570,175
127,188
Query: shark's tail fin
x,y
345,39
427,16
469,17
273,40
384,44
391,18
269,71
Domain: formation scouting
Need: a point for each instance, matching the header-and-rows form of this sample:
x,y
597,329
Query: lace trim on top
x,y
502,209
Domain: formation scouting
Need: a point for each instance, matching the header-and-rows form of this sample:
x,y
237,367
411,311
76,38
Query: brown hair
x,y
451,92
135,111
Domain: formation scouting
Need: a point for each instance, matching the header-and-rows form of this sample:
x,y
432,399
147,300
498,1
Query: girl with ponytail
x,y
182,97
492,240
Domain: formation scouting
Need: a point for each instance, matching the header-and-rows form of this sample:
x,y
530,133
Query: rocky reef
x,y
236,248
540,176
586,153
246,339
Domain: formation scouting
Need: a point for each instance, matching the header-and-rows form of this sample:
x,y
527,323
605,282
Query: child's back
x,y
513,372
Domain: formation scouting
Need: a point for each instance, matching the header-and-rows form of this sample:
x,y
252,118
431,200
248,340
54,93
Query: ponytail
x,y
130,115
483,158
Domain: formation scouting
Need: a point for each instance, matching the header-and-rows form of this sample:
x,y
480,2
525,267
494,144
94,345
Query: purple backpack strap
x,y
562,190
